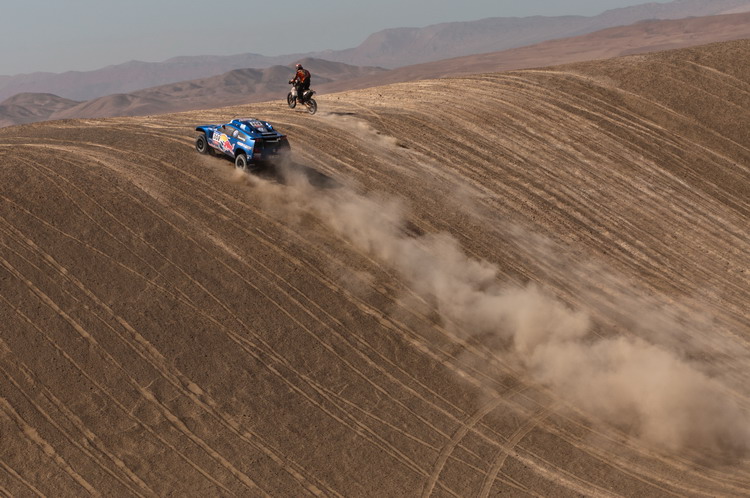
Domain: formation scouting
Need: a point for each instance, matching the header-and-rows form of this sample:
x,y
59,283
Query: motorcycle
x,y
307,99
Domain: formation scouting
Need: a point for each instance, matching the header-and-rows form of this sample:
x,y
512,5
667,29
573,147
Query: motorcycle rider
x,y
301,81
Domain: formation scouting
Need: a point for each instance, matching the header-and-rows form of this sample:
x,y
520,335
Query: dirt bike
x,y
307,100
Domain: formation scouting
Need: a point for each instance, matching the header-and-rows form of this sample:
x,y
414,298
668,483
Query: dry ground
x,y
531,283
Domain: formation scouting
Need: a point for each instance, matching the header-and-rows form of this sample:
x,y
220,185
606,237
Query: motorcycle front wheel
x,y
291,100
312,106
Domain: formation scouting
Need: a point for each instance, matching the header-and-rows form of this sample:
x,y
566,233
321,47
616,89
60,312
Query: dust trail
x,y
649,390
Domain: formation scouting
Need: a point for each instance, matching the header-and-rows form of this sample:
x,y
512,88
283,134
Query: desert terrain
x,y
531,283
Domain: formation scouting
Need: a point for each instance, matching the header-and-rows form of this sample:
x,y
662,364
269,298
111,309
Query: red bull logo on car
x,y
223,142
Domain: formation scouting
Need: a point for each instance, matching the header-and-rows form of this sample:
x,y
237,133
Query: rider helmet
x,y
299,66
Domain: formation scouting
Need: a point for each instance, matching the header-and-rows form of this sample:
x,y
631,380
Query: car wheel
x,y
201,144
240,162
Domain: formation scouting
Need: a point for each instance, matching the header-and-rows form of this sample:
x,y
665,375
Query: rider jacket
x,y
302,76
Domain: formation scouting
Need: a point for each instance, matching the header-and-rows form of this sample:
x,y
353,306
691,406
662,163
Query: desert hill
x,y
388,48
242,86
235,87
399,47
523,283
32,107
641,37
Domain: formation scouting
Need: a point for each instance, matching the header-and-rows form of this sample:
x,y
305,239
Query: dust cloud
x,y
650,391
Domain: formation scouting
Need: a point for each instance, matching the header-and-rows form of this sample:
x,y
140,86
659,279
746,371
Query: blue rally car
x,y
250,142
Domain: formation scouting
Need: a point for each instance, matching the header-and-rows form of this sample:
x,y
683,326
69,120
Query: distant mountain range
x,y
390,48
256,85
641,37
231,88
406,46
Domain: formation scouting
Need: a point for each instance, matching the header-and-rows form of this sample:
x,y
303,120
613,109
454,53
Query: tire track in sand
x,y
148,395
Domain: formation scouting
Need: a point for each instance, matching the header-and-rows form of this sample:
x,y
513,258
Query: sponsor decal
x,y
260,126
223,142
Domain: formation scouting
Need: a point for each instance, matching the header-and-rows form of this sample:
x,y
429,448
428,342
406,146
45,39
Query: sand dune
x,y
531,283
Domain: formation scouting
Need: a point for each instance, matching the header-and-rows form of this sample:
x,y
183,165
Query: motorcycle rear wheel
x,y
312,106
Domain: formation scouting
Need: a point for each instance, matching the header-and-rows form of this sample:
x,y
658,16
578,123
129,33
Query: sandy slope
x,y
530,283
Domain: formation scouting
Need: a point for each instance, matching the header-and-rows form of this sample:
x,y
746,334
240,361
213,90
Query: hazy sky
x,y
61,35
